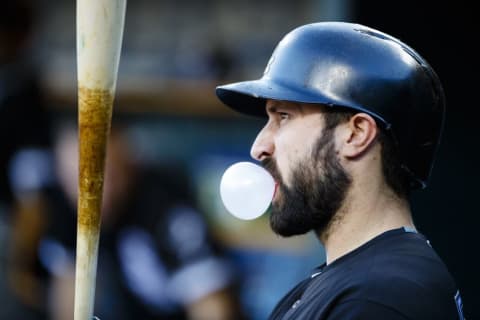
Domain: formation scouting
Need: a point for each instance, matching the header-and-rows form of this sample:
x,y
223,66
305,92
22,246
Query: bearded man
x,y
355,118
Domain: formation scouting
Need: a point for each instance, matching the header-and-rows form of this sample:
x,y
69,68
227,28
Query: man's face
x,y
299,152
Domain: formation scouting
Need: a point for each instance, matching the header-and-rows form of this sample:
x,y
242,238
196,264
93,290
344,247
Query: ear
x,y
358,135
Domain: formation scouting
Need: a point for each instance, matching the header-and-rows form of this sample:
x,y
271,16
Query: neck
x,y
364,215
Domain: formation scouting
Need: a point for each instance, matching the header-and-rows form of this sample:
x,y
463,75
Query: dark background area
x,y
443,32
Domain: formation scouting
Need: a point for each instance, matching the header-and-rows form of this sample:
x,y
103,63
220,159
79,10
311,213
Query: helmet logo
x,y
269,64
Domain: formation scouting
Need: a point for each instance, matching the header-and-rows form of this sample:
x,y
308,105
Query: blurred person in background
x,y
25,162
156,257
24,120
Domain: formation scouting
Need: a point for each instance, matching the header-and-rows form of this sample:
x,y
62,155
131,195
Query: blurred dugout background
x,y
174,54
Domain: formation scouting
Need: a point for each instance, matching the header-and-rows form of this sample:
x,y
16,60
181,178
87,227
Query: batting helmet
x,y
346,65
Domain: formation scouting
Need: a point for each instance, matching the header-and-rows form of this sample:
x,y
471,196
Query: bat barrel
x,y
99,37
94,114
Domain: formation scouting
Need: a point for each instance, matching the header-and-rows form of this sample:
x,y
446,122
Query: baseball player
x,y
354,120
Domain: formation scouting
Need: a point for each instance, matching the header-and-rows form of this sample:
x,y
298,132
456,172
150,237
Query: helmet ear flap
x,y
345,65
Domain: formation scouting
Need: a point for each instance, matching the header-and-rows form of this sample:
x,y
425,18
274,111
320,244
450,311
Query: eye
x,y
283,116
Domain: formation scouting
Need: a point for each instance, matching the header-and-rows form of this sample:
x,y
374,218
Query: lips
x,y
275,190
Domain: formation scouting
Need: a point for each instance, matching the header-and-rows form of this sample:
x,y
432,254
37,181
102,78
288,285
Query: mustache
x,y
270,165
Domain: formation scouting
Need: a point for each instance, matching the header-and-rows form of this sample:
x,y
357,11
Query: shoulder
x,y
402,275
409,264
403,258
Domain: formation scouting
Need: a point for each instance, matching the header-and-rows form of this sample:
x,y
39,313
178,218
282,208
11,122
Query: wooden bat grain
x,y
94,118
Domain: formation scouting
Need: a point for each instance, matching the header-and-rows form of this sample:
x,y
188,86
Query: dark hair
x,y
393,171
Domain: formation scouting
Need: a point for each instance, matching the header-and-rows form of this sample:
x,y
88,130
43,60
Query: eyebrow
x,y
272,109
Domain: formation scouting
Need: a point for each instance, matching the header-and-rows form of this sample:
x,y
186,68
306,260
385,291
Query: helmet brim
x,y
249,97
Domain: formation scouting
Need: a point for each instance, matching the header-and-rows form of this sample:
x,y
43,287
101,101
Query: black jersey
x,y
396,275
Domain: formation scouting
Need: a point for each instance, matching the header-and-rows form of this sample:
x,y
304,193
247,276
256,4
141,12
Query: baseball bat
x,y
99,40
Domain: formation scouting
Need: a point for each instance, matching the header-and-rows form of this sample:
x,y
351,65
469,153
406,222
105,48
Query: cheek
x,y
295,147
289,152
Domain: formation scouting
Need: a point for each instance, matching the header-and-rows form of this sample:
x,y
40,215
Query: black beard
x,y
319,186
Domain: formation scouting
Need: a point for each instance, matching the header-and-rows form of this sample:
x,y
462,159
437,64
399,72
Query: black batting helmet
x,y
346,65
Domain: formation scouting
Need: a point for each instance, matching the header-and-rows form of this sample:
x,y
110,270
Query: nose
x,y
263,146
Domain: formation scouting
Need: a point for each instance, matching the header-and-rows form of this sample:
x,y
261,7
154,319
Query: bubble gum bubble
x,y
246,190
